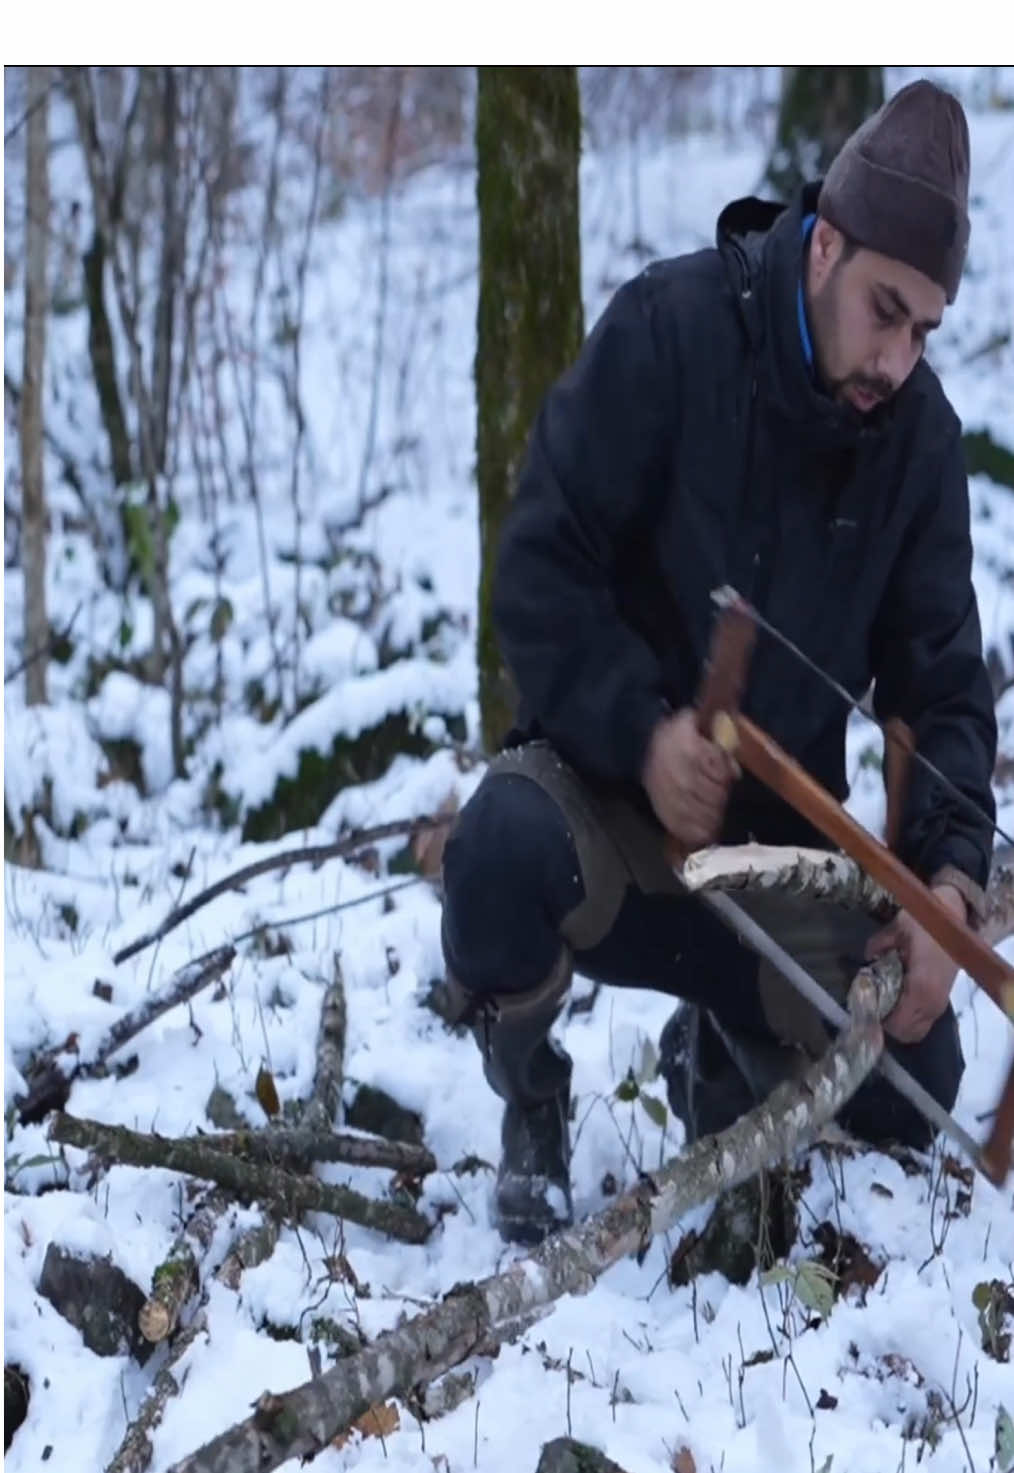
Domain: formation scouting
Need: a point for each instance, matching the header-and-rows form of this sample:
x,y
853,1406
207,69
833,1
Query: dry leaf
x,y
683,1461
379,1420
428,847
340,1270
266,1092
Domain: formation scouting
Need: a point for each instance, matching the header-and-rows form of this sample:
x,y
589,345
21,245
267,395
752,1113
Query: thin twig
x,y
309,854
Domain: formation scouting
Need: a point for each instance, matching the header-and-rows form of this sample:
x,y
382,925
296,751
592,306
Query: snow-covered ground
x,y
896,1375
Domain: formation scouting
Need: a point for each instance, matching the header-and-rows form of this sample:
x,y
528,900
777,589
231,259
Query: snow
x,y
382,615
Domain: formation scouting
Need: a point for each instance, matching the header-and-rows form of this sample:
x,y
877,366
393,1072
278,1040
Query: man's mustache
x,y
879,388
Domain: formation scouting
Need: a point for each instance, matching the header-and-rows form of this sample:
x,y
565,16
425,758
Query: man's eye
x,y
882,313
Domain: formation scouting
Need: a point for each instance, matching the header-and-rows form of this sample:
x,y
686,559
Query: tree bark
x,y
530,320
826,874
820,107
103,360
33,494
49,1083
303,1421
253,1246
325,1101
135,1451
178,1275
296,1149
247,1182
182,986
169,269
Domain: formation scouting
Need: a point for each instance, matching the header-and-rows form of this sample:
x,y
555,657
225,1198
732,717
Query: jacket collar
x,y
763,247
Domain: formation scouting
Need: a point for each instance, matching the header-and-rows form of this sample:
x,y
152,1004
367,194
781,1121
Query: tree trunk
x,y
103,361
33,496
169,271
530,321
820,107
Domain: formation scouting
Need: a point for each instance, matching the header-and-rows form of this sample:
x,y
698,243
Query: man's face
x,y
870,316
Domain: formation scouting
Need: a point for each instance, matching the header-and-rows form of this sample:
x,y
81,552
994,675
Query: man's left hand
x,y
929,971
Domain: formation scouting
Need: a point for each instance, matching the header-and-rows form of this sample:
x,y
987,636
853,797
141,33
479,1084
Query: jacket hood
x,y
762,246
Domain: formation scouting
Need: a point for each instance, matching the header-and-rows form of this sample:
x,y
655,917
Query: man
x,y
758,414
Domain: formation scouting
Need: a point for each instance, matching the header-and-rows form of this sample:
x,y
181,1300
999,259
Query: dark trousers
x,y
536,860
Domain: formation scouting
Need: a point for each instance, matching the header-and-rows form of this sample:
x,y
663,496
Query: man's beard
x,y
824,311
878,387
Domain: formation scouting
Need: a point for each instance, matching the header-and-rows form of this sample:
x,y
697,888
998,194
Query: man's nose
x,y
897,359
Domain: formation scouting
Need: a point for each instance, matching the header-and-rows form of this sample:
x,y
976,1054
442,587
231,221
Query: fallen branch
x,y
296,1149
135,1451
177,1276
253,1246
309,854
325,1099
302,1422
181,987
194,1156
49,1084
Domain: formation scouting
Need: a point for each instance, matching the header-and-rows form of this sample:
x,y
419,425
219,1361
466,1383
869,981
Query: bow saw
x,y
719,718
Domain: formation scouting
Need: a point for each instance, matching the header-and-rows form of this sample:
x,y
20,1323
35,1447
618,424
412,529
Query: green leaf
x,y
655,1110
814,1286
34,1161
649,1062
627,1090
1004,1440
779,1273
221,618
982,1295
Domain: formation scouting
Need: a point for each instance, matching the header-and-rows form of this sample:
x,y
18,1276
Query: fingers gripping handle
x,y
732,643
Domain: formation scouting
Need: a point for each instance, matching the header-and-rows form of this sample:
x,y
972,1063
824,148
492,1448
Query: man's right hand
x,y
687,777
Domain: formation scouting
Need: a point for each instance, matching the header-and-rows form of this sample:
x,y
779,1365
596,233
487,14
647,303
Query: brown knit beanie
x,y
900,183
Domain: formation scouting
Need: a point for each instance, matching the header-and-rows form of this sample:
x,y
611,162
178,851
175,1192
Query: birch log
x,y
825,874
325,1101
253,1246
178,1275
134,1453
302,1422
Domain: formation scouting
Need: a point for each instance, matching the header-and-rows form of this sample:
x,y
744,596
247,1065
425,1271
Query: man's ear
x,y
826,243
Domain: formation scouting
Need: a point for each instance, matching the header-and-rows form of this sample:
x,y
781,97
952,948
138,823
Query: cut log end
x,y
154,1321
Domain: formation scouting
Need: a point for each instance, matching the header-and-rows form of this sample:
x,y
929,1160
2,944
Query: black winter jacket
x,y
688,447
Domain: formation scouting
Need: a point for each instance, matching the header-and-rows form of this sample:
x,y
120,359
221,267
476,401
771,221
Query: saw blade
x,y
733,914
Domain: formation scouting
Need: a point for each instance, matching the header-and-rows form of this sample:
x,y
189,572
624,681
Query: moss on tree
x,y
530,321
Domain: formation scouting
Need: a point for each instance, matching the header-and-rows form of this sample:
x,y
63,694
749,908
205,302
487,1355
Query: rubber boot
x,y
531,1074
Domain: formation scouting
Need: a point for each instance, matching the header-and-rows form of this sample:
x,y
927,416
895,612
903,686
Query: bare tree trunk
x,y
528,137
151,520
169,272
820,107
33,494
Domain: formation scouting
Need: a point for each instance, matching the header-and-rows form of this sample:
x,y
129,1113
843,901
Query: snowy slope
x,y
895,1376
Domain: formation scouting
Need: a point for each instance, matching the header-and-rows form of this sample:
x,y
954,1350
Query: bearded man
x,y
758,414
